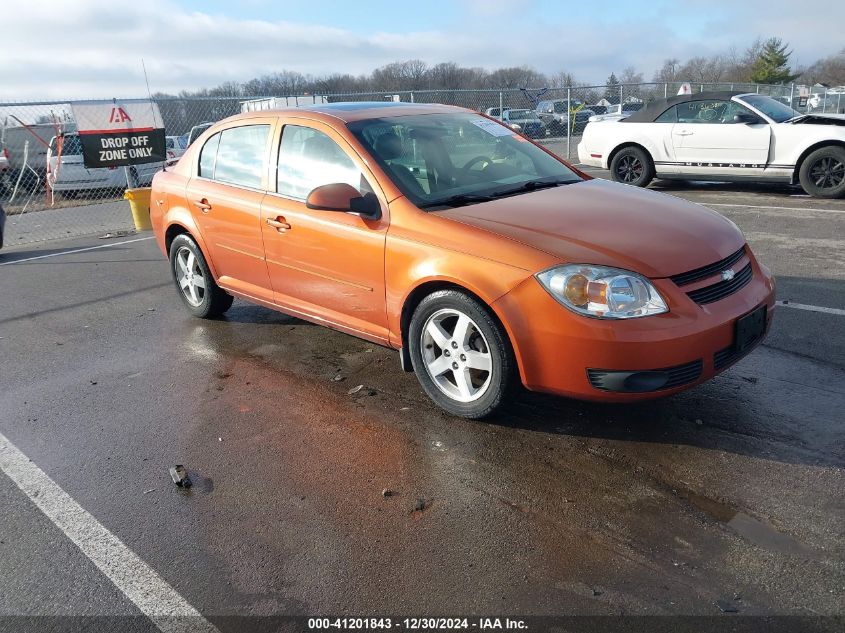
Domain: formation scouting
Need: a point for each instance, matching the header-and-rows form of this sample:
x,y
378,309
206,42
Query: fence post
x,y
412,96
501,104
621,97
666,90
568,123
791,94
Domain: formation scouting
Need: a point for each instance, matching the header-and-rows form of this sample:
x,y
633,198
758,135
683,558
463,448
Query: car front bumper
x,y
564,353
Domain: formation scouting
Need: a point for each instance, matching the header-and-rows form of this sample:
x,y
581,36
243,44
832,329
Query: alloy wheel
x,y
828,172
630,168
456,355
190,276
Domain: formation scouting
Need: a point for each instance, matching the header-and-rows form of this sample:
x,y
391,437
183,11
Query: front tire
x,y
194,281
632,166
461,354
822,174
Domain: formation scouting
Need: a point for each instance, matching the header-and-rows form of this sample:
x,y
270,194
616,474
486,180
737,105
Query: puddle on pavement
x,y
758,532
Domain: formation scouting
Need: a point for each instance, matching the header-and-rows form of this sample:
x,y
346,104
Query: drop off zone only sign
x,y
119,133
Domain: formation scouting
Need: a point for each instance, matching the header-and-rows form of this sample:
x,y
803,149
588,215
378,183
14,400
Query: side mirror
x,y
340,196
747,118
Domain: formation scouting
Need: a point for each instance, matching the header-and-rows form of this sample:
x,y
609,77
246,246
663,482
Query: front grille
x,y
722,289
609,380
707,271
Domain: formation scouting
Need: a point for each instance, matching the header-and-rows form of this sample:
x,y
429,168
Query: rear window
x,y
240,156
70,145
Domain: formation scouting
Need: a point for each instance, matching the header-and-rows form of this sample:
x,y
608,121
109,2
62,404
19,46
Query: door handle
x,y
684,133
202,205
279,224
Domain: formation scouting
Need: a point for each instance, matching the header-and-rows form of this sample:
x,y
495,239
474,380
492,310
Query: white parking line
x,y
758,206
804,306
76,250
155,598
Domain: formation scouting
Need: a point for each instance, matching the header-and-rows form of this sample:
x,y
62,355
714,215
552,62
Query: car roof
x,y
356,110
654,109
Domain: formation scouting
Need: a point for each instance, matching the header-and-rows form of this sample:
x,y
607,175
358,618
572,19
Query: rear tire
x,y
194,281
632,166
822,174
461,355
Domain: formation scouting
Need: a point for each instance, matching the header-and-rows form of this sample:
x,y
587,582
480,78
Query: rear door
x,y
706,139
225,196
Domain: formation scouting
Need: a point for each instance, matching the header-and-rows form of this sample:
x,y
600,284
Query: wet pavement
x,y
725,501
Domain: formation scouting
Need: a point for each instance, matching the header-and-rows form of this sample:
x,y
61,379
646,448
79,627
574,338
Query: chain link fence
x,y
48,193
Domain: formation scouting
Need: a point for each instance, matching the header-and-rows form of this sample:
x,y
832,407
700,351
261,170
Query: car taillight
x,y
5,153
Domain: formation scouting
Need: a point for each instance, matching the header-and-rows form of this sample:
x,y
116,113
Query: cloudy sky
x,y
91,48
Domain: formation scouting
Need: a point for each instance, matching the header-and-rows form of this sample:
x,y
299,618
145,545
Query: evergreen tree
x,y
611,92
772,64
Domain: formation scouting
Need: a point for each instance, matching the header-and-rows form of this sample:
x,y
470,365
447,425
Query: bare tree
x,y
630,76
669,72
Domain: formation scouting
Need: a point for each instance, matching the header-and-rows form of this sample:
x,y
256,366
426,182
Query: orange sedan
x,y
484,259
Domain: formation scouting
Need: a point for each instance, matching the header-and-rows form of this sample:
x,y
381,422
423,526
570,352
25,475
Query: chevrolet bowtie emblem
x,y
727,275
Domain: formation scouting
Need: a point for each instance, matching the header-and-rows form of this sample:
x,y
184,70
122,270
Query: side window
x,y
241,157
670,116
208,154
309,159
702,112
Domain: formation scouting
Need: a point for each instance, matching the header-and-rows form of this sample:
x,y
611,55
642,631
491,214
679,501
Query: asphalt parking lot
x,y
724,501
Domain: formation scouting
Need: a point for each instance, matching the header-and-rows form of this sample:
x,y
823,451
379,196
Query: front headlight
x,y
516,126
605,293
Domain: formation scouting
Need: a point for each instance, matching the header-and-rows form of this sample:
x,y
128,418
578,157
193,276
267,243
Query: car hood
x,y
604,223
820,119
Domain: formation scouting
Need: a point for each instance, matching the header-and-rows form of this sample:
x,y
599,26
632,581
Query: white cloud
x,y
93,48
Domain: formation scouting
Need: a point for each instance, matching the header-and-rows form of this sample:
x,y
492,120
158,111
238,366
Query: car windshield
x,y
775,110
445,160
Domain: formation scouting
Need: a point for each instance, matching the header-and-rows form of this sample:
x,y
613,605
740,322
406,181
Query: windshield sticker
x,y
492,128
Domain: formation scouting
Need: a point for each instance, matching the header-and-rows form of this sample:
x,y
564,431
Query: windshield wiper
x,y
531,185
458,200
463,199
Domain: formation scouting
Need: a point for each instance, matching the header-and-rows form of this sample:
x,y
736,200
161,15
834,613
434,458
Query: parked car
x,y
197,130
2,224
483,259
6,182
722,136
563,117
68,175
25,149
175,146
525,122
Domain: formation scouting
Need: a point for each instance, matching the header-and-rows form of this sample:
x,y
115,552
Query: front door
x,y
225,197
706,136
327,265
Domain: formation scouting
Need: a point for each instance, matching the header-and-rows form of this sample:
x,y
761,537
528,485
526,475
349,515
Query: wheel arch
x,y
425,288
809,150
622,146
176,228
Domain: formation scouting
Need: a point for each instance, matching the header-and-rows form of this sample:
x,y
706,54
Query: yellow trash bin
x,y
139,202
